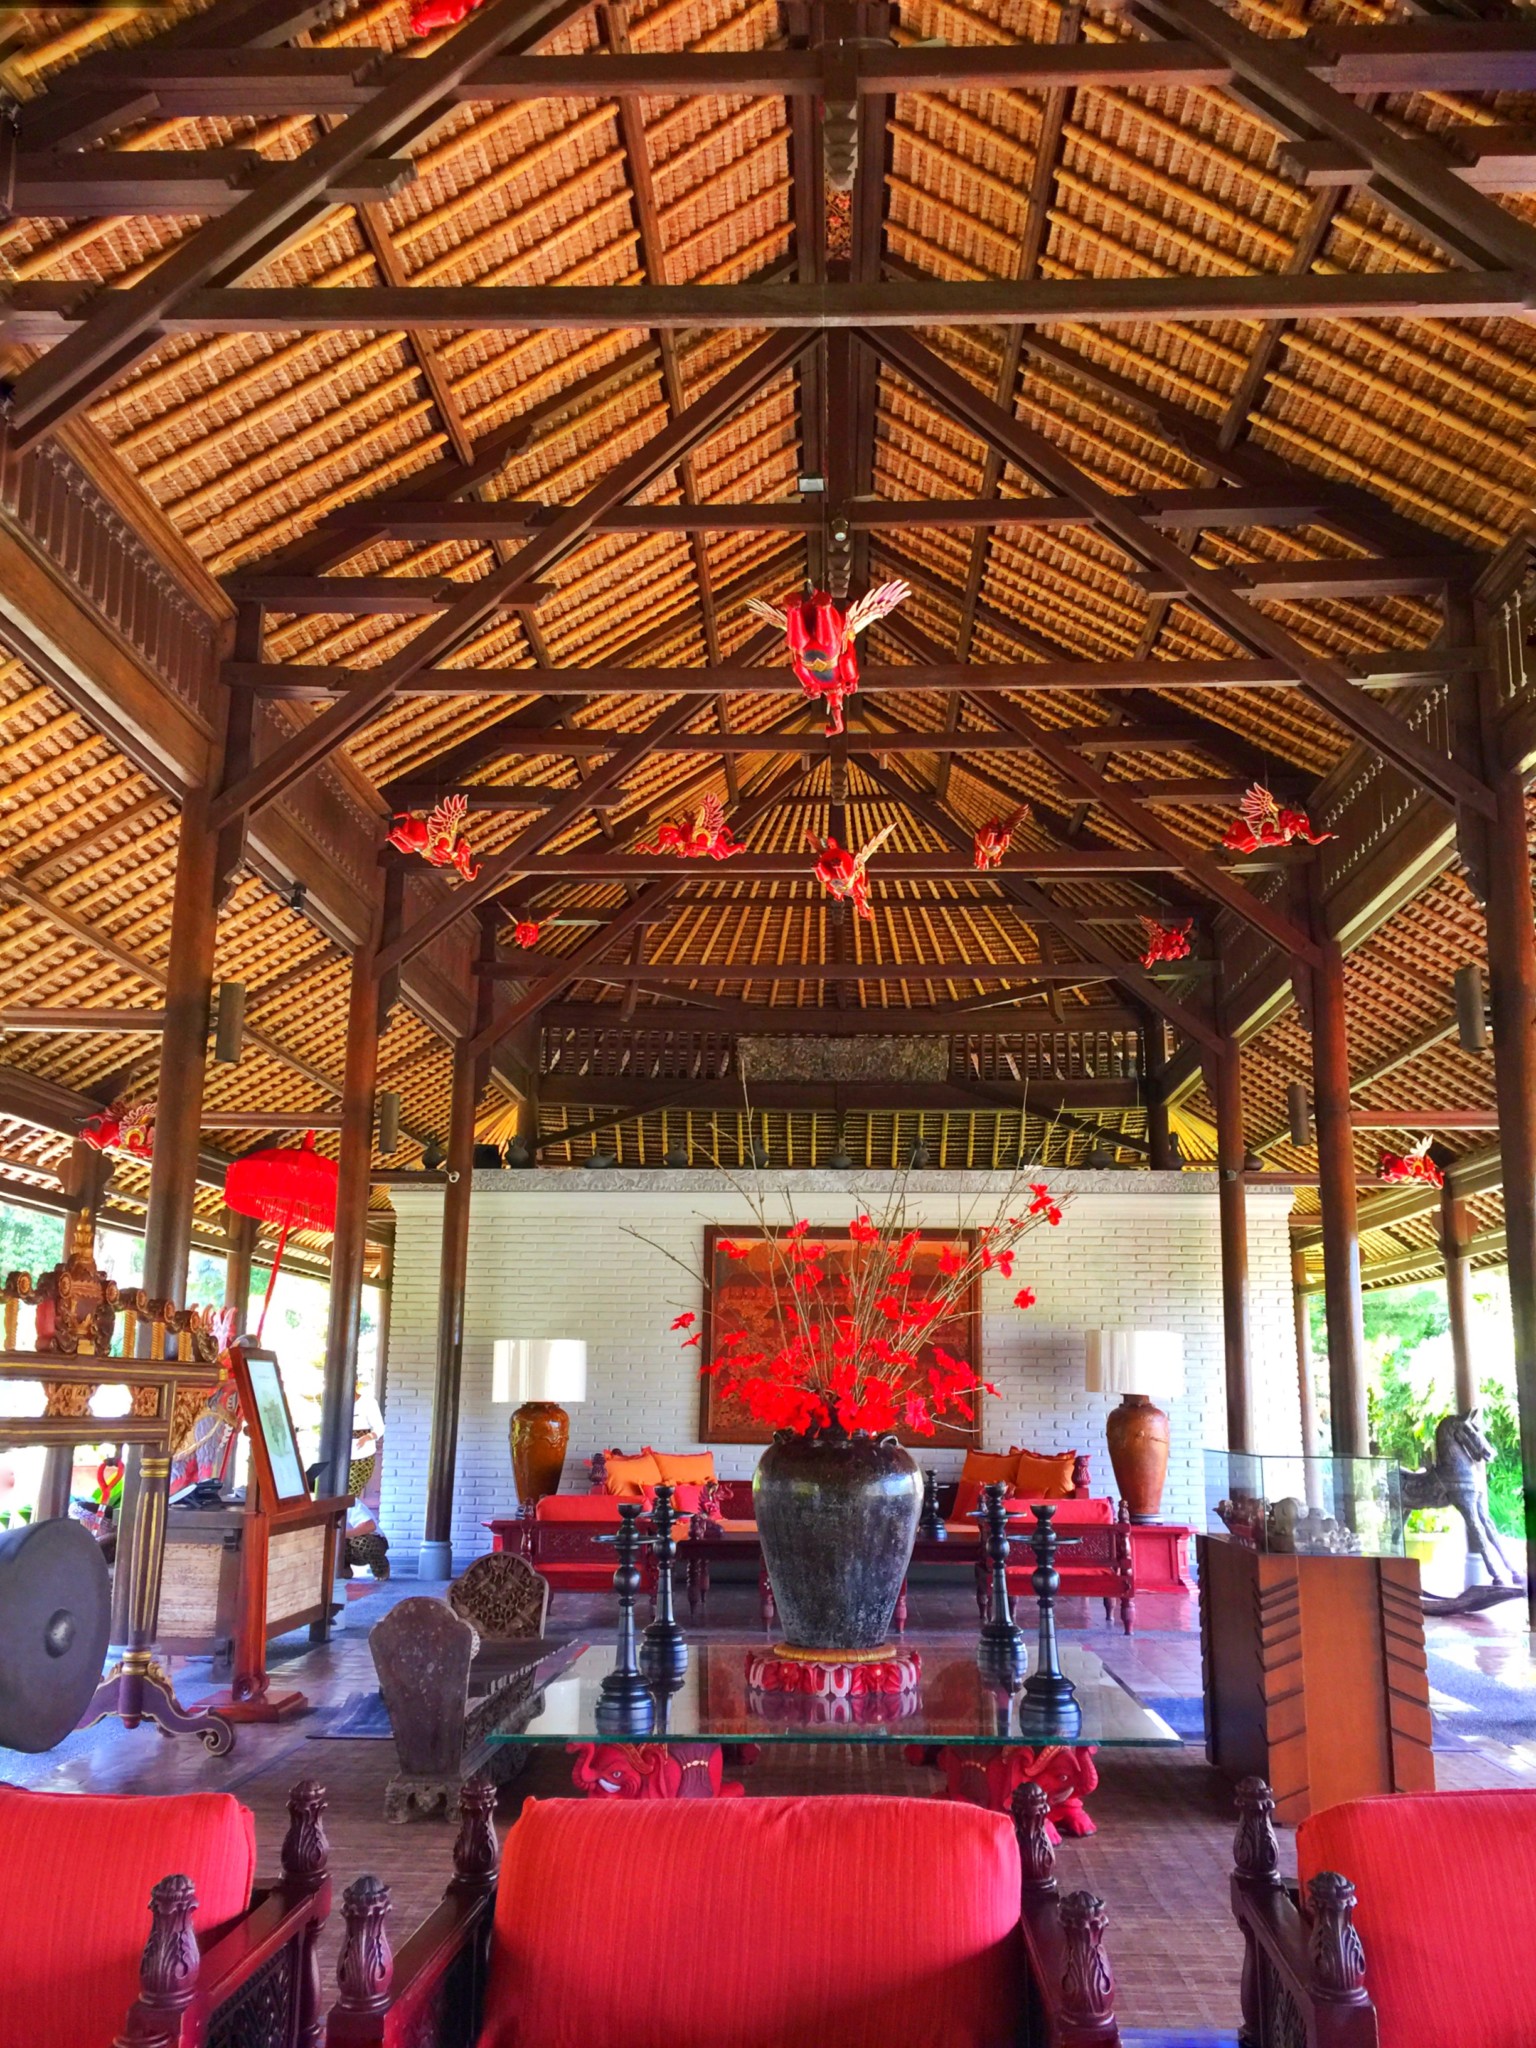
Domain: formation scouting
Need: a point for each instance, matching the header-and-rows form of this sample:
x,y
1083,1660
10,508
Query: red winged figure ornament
x,y
821,638
1261,821
437,837
708,837
1410,1166
994,838
1166,941
845,875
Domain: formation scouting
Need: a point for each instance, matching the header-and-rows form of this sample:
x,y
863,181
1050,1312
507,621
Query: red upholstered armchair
x,y
862,1921
84,1880
1413,1923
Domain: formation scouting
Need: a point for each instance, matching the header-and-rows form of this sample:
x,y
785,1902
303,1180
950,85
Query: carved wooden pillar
x,y
1336,1193
1455,1235
85,1178
1226,1081
366,1017
1512,997
1164,1156
442,1455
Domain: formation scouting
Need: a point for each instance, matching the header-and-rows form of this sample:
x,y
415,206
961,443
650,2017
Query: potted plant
x,y
855,1354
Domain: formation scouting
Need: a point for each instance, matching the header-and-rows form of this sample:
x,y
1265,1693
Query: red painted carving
x,y
1261,821
845,875
707,837
650,1770
1166,941
125,1127
1410,1166
994,838
990,1777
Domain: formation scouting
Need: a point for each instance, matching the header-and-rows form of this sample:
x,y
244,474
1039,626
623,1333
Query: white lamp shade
x,y
539,1369
1135,1362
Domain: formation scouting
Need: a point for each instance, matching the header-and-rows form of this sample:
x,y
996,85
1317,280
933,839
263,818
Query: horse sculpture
x,y
1453,1476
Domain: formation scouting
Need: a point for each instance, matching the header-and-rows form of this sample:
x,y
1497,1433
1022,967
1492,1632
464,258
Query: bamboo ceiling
x,y
246,443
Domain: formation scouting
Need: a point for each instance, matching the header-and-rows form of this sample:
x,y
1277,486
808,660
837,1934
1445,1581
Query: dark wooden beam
x,y
1302,582
1408,57
57,316
172,181
1325,681
69,1019
401,596
116,332
878,974
639,1098
1011,1018
305,684
480,602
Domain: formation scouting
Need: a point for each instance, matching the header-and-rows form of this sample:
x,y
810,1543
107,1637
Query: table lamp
x,y
1137,1364
540,1374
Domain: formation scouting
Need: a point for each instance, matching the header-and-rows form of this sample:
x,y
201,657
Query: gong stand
x,y
77,1314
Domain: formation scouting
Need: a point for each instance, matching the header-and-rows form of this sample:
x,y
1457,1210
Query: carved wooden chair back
x,y
501,1596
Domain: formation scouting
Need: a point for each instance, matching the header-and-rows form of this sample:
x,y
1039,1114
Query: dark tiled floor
x,y
1159,1860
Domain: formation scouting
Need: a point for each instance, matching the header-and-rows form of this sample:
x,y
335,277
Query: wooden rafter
x,y
1323,680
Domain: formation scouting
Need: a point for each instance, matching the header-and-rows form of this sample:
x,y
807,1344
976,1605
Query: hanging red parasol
x,y
293,1186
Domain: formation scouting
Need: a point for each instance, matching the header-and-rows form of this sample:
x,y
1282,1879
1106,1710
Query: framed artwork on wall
x,y
740,1294
275,1455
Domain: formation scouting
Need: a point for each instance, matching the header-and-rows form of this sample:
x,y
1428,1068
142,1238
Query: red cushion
x,y
1074,1510
811,1921
76,1873
1446,1883
577,1507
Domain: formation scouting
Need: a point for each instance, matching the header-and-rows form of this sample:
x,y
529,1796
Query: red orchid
x,y
950,1260
685,1321
1025,1298
730,1250
863,1231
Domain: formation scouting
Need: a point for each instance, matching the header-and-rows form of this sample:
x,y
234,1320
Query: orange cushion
x,y
982,1468
1446,1884
1045,1475
629,1477
684,1468
817,1924
76,1872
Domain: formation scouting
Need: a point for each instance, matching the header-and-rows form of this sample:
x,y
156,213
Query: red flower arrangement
x,y
1410,1166
1166,941
850,1331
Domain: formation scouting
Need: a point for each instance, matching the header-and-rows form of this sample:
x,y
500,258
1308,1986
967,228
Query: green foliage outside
x,y
1411,1384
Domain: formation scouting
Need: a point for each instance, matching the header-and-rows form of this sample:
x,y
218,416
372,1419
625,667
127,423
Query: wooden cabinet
x,y
1315,1674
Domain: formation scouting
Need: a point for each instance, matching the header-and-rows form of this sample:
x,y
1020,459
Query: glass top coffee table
x,y
952,1716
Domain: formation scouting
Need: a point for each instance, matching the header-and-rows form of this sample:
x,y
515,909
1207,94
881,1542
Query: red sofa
x,y
134,1918
860,1921
1412,1925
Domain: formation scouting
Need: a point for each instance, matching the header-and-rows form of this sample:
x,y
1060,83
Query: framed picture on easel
x,y
275,1456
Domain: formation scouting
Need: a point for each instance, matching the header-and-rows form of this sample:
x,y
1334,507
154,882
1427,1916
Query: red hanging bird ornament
x,y
821,639
437,837
428,16
122,1128
994,838
1261,821
1166,941
845,875
525,933
293,1186
708,837
1414,1165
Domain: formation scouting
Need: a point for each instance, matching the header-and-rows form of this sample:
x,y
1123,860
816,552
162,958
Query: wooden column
x,y
1336,1194
442,1455
1306,1385
1226,1082
1164,1157
368,1006
240,1242
1455,1234
1512,994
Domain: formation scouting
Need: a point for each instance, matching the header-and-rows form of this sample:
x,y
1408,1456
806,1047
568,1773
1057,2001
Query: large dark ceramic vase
x,y
837,1516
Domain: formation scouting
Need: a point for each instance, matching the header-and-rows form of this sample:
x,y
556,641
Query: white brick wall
x,y
550,1254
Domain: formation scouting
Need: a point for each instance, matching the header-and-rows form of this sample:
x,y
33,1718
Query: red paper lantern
x,y
293,1186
